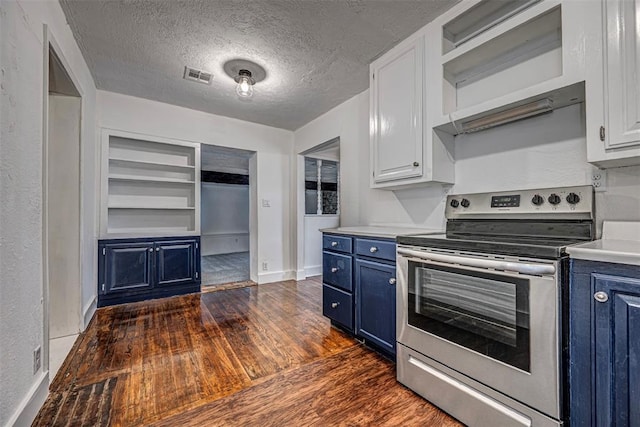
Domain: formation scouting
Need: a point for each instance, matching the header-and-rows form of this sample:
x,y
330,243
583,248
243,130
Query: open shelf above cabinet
x,y
525,55
150,186
478,19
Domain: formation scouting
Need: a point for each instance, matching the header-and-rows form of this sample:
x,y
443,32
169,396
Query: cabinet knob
x,y
416,164
334,269
601,296
157,249
150,249
373,249
334,244
392,281
335,304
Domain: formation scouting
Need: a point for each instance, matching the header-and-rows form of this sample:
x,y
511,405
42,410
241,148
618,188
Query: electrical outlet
x,y
265,266
599,180
37,359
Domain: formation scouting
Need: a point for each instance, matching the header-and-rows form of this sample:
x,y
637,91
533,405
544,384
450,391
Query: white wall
x,y
313,241
21,244
65,317
273,152
544,151
224,222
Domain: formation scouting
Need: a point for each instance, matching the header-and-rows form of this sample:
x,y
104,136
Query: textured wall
x,y
273,147
545,151
21,109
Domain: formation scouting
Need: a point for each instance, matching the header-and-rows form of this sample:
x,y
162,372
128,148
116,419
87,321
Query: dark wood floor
x,y
260,355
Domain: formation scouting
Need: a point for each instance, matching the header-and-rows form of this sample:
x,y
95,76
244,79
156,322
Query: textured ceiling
x,y
316,52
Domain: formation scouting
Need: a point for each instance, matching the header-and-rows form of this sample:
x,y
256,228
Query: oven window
x,y
484,312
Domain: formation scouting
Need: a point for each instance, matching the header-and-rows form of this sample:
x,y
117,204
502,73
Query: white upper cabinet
x,y
396,113
401,155
613,134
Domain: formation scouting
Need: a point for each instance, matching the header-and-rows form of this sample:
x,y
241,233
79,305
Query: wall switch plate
x,y
598,179
37,359
266,203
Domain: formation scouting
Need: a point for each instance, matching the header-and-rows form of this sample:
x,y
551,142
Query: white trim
x,y
276,276
32,402
300,275
89,310
314,270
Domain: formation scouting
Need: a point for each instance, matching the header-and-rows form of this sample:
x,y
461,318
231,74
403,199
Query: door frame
x,y
49,42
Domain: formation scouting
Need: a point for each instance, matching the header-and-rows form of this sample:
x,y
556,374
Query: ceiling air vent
x,y
197,75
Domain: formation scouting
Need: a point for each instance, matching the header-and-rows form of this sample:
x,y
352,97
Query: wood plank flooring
x,y
260,355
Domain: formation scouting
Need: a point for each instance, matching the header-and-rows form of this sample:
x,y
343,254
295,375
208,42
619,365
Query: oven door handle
x,y
519,267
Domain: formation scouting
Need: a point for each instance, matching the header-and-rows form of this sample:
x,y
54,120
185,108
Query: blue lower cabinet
x,y
604,344
358,292
132,270
376,303
176,262
128,267
337,305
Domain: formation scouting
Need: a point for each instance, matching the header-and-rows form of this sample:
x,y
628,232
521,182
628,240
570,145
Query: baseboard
x,y
276,276
315,270
89,310
300,275
31,404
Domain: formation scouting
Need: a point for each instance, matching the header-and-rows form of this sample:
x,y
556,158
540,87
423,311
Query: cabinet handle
x,y
392,281
334,244
416,164
335,304
334,269
373,249
601,296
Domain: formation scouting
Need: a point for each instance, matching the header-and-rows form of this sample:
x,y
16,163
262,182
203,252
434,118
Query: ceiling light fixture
x,y
245,84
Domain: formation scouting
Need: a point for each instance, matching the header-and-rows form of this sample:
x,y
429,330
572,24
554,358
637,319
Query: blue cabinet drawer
x,y
337,305
376,248
336,270
337,243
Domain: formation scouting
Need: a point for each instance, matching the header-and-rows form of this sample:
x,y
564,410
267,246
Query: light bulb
x,y
244,88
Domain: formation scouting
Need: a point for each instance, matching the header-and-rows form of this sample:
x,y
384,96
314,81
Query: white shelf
x,y
151,186
135,178
145,163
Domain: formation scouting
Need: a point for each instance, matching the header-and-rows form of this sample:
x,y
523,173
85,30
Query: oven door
x,y
494,320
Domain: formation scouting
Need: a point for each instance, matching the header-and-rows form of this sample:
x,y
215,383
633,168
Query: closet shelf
x,y
136,178
146,163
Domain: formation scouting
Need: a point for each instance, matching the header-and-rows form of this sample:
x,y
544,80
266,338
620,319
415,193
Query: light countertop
x,y
380,231
620,244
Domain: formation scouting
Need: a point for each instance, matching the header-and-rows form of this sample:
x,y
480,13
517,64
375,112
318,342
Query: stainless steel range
x,y
480,309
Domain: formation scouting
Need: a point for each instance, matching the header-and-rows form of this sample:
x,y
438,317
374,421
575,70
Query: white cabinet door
x,y
622,72
396,114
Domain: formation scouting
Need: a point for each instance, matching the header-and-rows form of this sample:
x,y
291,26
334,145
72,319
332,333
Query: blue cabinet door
x,y
176,262
127,267
376,303
617,350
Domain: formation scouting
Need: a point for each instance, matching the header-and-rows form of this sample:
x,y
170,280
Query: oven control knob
x,y
464,203
573,198
554,199
537,200
454,203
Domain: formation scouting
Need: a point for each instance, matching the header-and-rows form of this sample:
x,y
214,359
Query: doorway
x,y
62,212
225,216
321,194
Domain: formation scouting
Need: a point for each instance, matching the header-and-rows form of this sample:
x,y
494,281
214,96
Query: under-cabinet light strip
x,y
503,117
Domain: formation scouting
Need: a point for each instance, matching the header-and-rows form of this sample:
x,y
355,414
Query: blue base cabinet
x,y
604,333
132,270
359,295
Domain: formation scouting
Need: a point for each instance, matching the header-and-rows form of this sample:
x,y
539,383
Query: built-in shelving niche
x,y
478,19
519,58
151,186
